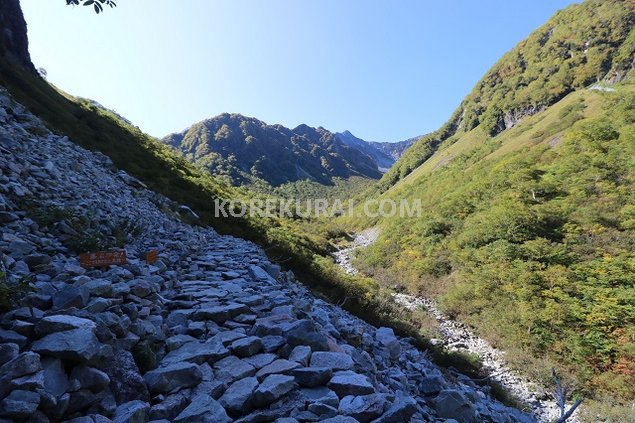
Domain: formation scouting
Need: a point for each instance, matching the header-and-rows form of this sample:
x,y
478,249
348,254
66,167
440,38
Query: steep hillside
x,y
246,149
527,230
580,45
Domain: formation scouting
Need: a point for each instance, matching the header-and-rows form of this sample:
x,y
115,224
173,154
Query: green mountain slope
x,y
528,226
247,150
578,46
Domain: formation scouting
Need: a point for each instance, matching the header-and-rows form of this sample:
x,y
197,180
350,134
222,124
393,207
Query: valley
x,y
522,260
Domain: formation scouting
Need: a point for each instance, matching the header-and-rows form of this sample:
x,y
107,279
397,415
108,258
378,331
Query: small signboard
x,y
102,259
152,256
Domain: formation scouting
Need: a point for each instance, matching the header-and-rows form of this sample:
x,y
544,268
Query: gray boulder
x,y
312,376
350,383
273,388
364,408
71,296
301,354
197,352
246,347
132,412
386,337
237,397
78,344
19,404
60,323
176,375
305,332
203,409
280,366
333,360
452,404
402,408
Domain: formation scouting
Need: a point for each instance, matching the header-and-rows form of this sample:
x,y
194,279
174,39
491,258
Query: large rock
x,y
452,404
312,376
24,364
402,408
176,375
220,314
55,379
301,354
19,404
60,323
126,382
8,352
246,347
333,360
132,412
386,337
197,352
305,332
350,383
237,398
170,407
78,344
232,368
203,409
281,366
84,377
273,388
364,408
71,296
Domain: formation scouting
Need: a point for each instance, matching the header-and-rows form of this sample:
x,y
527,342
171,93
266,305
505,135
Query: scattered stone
x,y
364,408
176,375
8,352
350,383
400,410
386,337
60,323
246,347
19,404
132,412
237,397
279,366
312,376
203,409
197,352
78,344
273,388
333,360
305,332
301,354
452,404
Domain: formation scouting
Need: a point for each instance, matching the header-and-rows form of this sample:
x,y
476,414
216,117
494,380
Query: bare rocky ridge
x,y
458,337
212,332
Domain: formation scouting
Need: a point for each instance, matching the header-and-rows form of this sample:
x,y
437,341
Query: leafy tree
x,y
98,5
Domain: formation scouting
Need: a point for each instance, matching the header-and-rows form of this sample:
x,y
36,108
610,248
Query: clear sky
x,y
385,70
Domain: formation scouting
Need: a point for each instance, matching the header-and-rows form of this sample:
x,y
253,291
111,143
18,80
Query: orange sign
x,y
102,259
152,256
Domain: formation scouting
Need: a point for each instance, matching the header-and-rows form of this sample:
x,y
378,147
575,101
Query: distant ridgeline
x,y
246,150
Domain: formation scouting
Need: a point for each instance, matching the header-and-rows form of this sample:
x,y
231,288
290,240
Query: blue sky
x,y
385,70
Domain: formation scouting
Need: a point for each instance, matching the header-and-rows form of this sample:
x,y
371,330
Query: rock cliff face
x,y
211,332
14,44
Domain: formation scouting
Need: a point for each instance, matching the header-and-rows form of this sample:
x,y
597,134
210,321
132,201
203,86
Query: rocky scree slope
x,y
213,332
